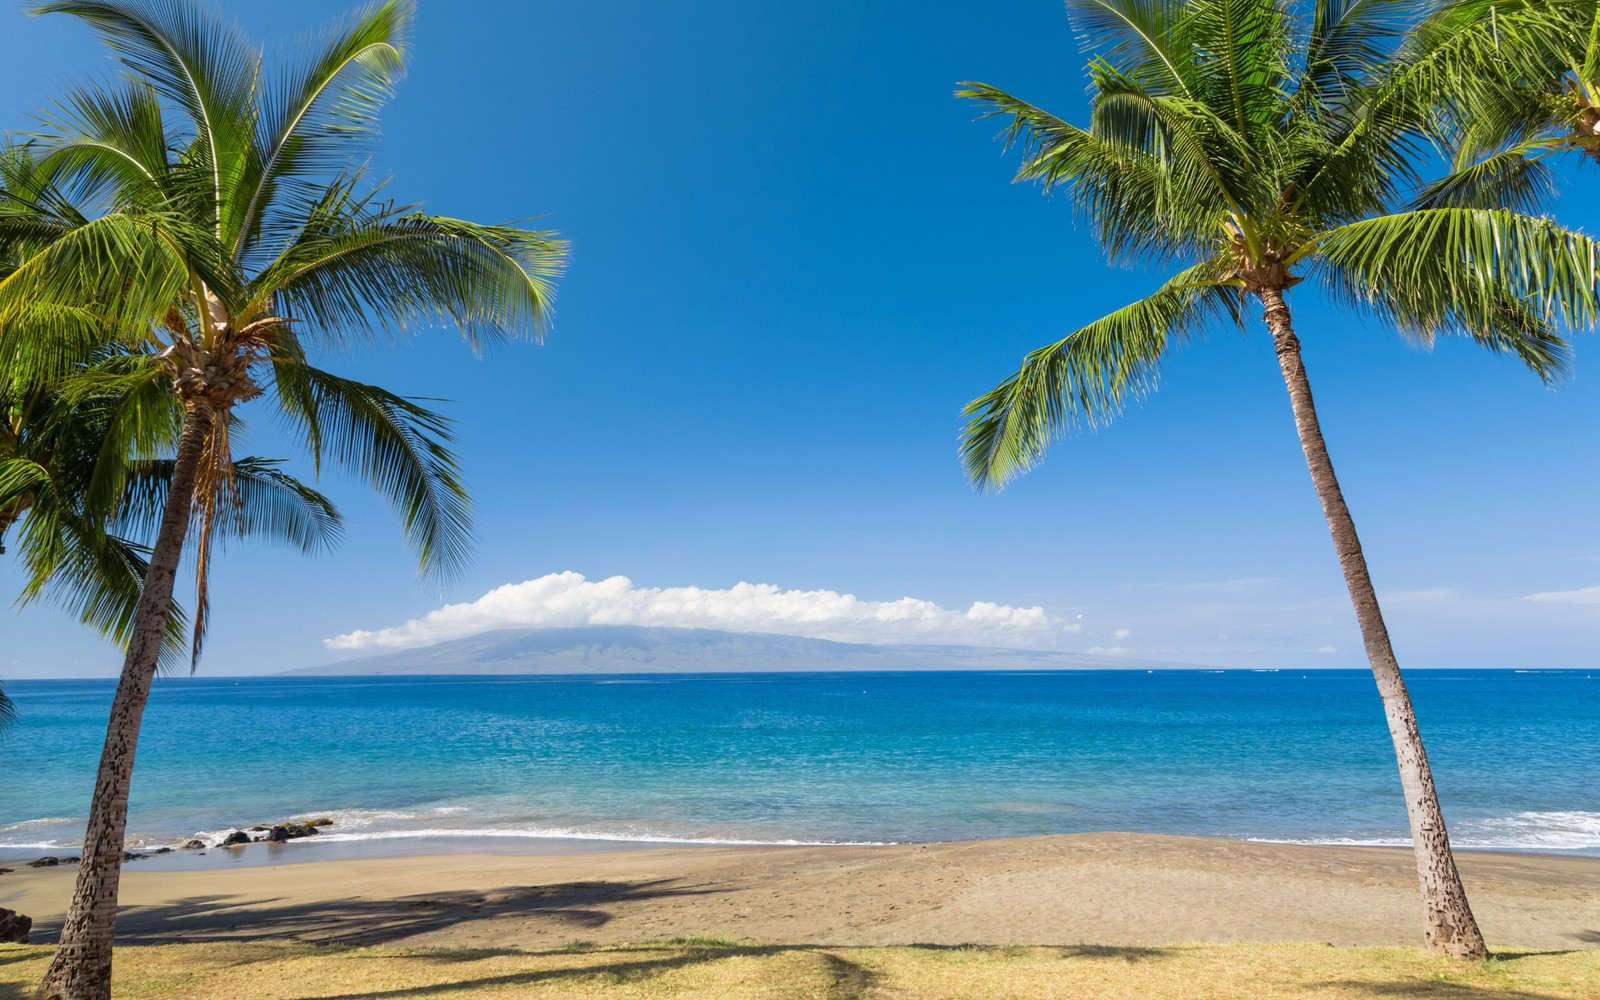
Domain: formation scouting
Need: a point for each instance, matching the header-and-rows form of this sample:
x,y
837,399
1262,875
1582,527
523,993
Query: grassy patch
x,y
712,968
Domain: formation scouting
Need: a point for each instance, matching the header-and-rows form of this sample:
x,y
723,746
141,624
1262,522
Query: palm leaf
x,y
1087,377
397,445
1496,275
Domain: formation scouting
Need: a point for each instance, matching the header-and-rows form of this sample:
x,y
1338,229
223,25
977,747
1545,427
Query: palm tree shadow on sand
x,y
364,922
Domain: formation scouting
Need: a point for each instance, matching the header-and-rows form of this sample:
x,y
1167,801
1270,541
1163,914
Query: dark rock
x,y
71,861
133,856
278,835
324,821
6,871
44,863
14,927
195,844
162,850
235,838
260,829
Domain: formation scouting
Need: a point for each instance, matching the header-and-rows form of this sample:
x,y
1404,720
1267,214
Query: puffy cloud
x,y
1328,650
1585,595
1121,633
564,600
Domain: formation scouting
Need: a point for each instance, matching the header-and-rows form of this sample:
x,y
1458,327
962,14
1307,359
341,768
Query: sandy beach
x,y
1103,889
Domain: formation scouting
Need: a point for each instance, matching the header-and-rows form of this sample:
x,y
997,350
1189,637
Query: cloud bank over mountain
x,y
566,600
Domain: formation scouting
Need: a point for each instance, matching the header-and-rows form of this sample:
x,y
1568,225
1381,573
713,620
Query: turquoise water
x,y
818,757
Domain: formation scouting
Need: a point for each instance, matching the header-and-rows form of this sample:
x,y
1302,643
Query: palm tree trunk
x,y
81,969
1449,927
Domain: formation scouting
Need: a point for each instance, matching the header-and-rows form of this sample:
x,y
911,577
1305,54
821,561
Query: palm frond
x,y
1503,278
106,139
1349,43
314,119
1113,169
1087,377
1138,36
194,60
397,445
1516,178
367,268
1247,56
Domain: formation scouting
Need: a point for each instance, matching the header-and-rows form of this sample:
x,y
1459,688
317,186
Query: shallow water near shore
x,y
420,765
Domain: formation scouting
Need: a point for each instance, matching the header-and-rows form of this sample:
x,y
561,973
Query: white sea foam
x,y
355,825
28,824
562,833
1564,830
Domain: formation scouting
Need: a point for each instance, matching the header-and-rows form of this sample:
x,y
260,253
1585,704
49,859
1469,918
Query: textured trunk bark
x,y
1448,927
81,969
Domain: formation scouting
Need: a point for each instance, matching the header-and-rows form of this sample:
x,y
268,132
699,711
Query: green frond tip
x,y
1087,377
8,712
1504,279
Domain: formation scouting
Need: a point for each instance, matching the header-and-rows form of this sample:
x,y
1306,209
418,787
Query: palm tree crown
x,y
1256,148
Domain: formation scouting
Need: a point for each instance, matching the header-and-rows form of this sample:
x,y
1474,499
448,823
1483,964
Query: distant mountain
x,y
626,649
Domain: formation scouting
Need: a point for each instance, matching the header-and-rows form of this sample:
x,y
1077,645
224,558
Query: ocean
x,y
1300,756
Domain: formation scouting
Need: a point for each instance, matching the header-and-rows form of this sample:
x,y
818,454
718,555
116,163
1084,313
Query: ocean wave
x,y
29,824
562,833
1562,830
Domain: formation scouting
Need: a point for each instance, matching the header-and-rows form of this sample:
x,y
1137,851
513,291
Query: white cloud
x,y
568,599
1121,633
1586,595
1327,649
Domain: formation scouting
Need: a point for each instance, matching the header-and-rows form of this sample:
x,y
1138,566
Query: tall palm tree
x,y
1253,144
238,232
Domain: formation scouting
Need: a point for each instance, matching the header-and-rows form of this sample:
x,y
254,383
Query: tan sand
x,y
1101,889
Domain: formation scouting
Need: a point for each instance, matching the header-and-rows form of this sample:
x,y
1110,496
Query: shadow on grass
x,y
1128,954
844,979
1424,990
361,922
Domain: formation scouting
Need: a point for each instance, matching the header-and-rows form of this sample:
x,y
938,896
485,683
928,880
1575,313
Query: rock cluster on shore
x,y
277,833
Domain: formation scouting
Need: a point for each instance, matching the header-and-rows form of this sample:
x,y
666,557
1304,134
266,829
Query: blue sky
x,y
795,257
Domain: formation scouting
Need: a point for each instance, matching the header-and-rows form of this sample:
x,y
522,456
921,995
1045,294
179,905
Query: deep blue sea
x,y
1290,755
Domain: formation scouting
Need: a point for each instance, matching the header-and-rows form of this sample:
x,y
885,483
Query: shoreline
x,y
337,847
1113,889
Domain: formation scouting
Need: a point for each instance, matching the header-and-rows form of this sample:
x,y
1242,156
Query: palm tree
x,y
237,233
1252,145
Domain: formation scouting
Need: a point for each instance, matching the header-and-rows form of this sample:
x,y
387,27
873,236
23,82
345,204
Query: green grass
x,y
709,967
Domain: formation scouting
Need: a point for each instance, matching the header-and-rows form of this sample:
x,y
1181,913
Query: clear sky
x,y
795,257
